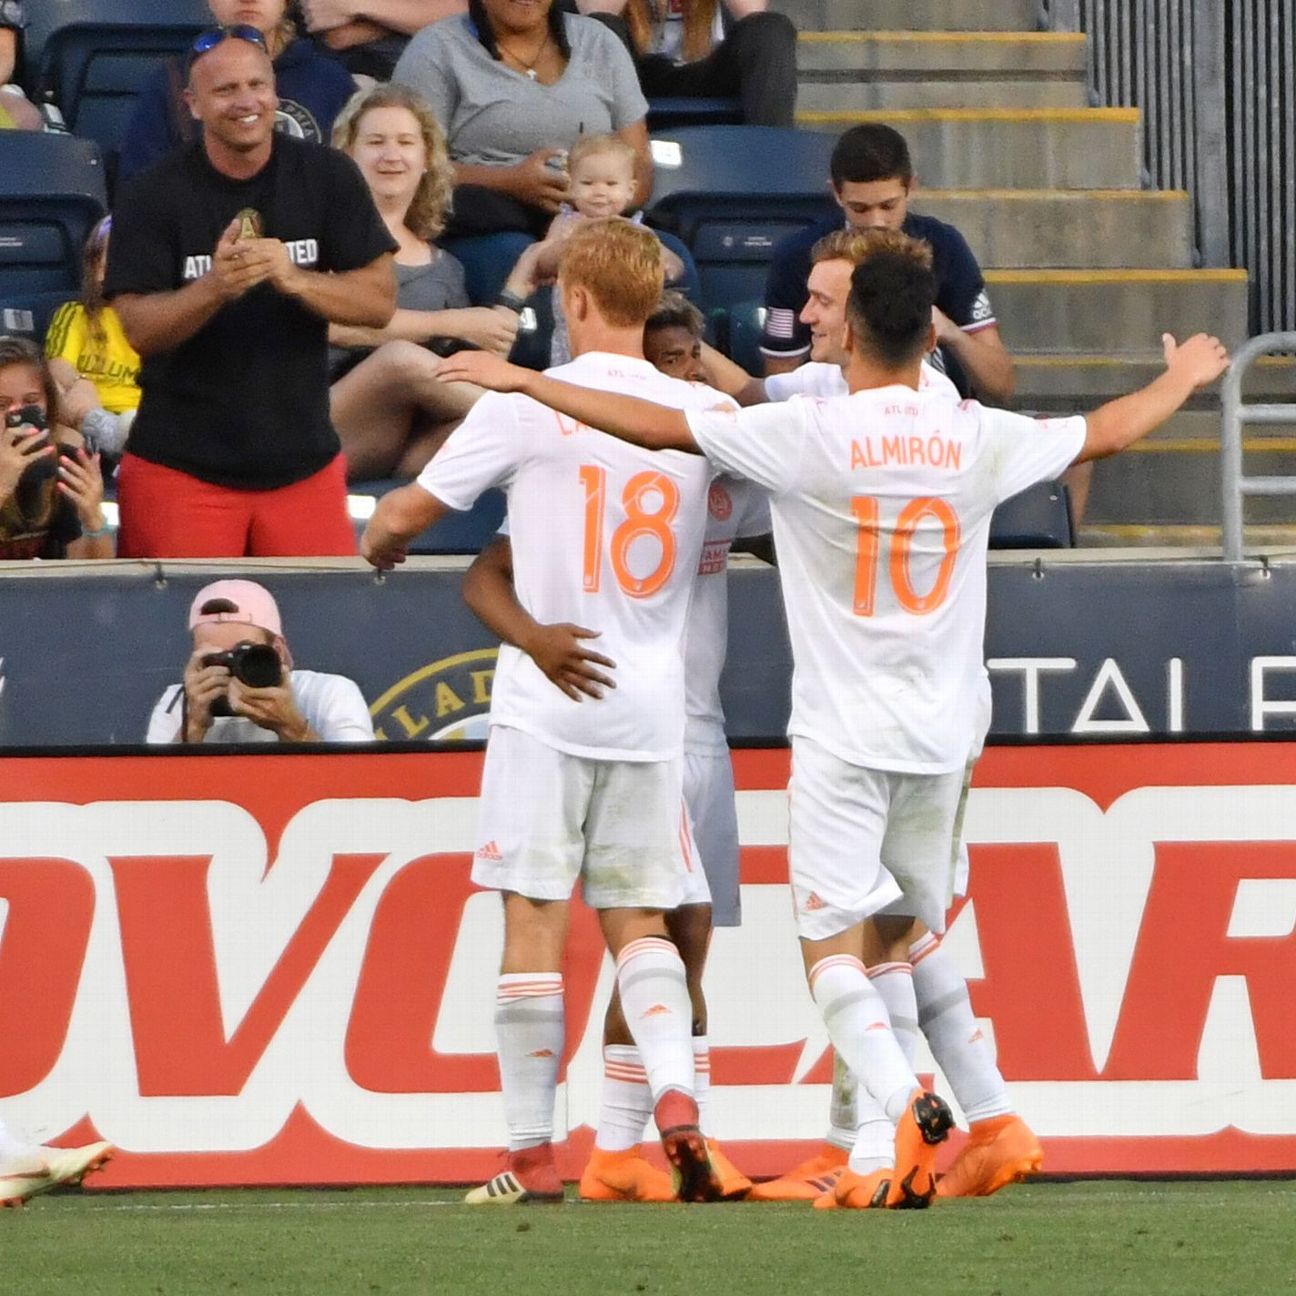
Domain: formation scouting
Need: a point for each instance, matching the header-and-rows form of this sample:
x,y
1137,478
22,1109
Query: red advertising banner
x,y
274,968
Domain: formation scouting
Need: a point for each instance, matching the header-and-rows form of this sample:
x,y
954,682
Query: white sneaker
x,y
22,1176
71,1165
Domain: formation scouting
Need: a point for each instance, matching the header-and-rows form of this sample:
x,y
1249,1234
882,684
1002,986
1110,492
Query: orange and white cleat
x,y
999,1151
676,1115
530,1177
24,1175
857,1192
925,1125
71,1165
624,1177
734,1185
808,1181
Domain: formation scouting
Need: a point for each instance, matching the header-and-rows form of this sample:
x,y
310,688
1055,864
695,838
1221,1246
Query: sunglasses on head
x,y
213,36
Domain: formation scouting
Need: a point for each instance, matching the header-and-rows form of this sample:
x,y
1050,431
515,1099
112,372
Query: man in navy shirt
x,y
872,181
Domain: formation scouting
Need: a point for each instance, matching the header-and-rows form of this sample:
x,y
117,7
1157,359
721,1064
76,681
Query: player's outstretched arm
x,y
400,516
1119,423
558,650
642,423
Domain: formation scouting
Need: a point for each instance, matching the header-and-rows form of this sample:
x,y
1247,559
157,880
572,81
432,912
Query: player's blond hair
x,y
619,264
857,245
589,146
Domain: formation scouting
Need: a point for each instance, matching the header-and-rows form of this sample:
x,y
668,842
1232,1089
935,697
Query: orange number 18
x,y
639,521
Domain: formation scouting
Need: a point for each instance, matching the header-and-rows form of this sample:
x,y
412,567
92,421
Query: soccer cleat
x,y
530,1177
808,1181
733,1183
23,1176
676,1115
925,1125
857,1192
624,1177
71,1165
999,1151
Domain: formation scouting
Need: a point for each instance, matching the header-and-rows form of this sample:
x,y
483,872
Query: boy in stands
x,y
737,514
610,534
881,503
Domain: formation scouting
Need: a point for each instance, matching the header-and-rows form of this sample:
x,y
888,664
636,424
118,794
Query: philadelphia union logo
x,y
446,701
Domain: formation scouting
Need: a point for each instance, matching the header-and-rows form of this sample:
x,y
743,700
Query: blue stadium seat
x,y
456,533
51,194
670,114
732,192
1038,518
744,322
91,57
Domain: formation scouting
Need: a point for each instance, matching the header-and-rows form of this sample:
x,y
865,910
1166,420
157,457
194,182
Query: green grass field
x,y
1045,1238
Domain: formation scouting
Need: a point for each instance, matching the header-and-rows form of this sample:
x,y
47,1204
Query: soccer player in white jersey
x,y
610,534
881,503
737,515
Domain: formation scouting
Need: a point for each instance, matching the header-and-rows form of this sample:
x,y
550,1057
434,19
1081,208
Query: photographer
x,y
239,683
51,490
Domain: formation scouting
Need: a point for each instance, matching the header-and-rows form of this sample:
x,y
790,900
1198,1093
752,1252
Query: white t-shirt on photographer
x,y
332,705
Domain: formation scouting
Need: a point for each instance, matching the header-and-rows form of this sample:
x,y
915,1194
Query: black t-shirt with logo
x,y
244,402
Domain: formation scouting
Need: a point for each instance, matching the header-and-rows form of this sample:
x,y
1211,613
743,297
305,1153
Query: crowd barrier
x,y
273,968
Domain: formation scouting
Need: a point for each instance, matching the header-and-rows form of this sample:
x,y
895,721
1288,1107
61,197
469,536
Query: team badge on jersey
x,y
719,502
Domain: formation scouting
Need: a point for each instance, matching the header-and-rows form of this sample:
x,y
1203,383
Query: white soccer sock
x,y
961,1050
843,1119
627,1101
655,1001
702,1083
529,1037
856,1018
11,1146
894,982
873,1147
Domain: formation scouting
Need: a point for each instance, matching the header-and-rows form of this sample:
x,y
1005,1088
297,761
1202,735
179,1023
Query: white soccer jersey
x,y
828,380
736,509
881,505
604,535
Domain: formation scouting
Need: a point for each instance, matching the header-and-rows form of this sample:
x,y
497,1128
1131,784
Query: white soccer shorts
x,y
862,840
548,818
709,795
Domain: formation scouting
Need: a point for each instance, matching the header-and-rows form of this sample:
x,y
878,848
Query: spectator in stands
x,y
227,263
312,88
370,35
515,83
51,490
390,412
216,703
703,49
15,111
95,367
872,181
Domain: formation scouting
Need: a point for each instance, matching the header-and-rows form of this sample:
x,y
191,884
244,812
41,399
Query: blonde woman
x,y
387,406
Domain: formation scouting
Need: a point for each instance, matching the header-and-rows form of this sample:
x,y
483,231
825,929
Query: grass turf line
x,y
1051,1238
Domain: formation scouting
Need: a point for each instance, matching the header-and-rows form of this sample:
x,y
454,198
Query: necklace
x,y
528,67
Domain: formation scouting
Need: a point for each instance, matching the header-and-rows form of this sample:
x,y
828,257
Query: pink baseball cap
x,y
252,604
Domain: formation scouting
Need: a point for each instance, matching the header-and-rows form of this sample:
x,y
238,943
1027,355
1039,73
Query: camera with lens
x,y
255,664
31,415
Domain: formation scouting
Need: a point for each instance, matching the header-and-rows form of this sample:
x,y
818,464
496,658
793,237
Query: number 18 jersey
x,y
881,505
604,535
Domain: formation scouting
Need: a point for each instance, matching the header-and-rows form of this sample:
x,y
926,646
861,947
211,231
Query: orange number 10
x,y
868,549
639,521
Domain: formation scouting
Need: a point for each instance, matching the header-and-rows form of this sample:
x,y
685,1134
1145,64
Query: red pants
x,y
169,514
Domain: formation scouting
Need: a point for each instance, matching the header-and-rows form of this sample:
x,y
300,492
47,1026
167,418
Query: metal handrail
x,y
1236,415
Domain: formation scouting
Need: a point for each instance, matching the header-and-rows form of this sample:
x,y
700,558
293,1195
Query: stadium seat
x,y
91,57
669,114
1038,518
744,323
51,194
730,193
456,533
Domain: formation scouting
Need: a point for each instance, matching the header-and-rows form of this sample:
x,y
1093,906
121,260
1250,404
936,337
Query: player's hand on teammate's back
x,y
1201,359
486,370
559,651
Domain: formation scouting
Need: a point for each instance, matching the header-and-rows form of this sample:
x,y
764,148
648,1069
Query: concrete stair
x,y
888,70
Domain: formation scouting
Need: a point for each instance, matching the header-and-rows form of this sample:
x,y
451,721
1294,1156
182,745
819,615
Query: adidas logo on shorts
x,y
489,852
813,902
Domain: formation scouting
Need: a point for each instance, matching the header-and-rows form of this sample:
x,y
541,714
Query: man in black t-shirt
x,y
872,181
227,263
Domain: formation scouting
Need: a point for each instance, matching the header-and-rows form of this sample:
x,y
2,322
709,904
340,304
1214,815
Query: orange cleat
x,y
999,1151
624,1177
676,1115
733,1183
857,1192
925,1125
531,1177
808,1181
